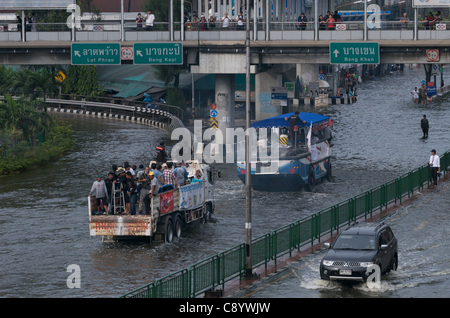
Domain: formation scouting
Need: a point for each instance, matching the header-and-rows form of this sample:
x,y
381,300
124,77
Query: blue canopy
x,y
280,121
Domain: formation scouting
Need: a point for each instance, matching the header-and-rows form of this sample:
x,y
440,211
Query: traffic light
x,y
213,106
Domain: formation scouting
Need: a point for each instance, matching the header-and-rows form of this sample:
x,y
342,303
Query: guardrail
x,y
174,110
168,120
218,269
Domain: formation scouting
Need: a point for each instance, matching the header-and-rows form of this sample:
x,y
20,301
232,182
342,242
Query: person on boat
x,y
293,121
161,154
154,186
101,194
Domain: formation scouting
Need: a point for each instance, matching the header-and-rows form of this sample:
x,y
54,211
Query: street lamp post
x,y
365,20
248,189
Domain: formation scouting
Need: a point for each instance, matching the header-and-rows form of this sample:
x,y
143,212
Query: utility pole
x,y
248,189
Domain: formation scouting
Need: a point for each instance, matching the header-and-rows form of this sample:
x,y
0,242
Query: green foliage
x,y
82,80
43,82
161,9
175,97
6,75
168,73
59,142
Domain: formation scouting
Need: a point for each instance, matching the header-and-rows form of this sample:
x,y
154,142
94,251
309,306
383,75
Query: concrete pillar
x,y
224,95
307,73
263,83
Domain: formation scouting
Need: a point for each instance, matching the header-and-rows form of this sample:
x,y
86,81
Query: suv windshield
x,y
355,242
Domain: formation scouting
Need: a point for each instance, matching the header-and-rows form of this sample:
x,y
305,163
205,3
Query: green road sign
x,y
290,89
158,53
354,53
95,54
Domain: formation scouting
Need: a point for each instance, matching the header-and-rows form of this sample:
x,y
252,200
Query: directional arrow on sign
x,y
139,53
77,53
336,52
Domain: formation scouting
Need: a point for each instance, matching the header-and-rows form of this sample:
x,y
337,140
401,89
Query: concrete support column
x,y
263,83
224,95
267,17
307,73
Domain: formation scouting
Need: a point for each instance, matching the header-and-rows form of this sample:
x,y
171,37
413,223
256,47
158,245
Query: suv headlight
x,y
366,264
327,263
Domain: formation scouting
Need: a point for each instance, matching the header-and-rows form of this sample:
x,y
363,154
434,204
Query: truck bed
x,y
120,225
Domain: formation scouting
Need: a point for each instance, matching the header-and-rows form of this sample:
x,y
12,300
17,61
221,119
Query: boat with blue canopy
x,y
302,153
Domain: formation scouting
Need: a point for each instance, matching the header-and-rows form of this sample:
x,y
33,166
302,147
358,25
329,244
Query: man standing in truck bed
x,y
161,154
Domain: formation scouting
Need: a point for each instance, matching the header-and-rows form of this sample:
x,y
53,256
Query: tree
x,y
11,117
20,82
81,80
44,82
168,73
6,75
33,121
161,9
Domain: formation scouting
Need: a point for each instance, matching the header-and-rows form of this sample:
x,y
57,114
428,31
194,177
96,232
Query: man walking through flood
x,y
424,125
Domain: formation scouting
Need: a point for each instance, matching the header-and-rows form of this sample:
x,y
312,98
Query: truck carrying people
x,y
164,208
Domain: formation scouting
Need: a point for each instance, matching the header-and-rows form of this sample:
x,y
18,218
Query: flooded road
x,y
44,217
421,228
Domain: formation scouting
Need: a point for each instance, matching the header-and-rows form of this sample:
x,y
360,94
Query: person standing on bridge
x,y
331,22
149,20
226,21
435,166
322,23
404,21
302,22
139,21
424,125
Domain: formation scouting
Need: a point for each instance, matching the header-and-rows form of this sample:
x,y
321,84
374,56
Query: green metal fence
x,y
218,269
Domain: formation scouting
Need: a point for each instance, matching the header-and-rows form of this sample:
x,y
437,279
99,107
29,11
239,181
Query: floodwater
x,y
44,217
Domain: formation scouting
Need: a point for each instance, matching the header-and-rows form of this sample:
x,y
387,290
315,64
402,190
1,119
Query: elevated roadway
x,y
263,52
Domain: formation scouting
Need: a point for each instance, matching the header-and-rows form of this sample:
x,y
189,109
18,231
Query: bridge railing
x,y
220,268
289,30
174,110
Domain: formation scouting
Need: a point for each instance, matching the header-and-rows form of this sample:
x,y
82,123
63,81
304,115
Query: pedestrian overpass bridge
x,y
275,47
218,48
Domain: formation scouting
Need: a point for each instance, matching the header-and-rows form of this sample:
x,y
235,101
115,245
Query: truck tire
x,y
178,227
169,231
208,213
